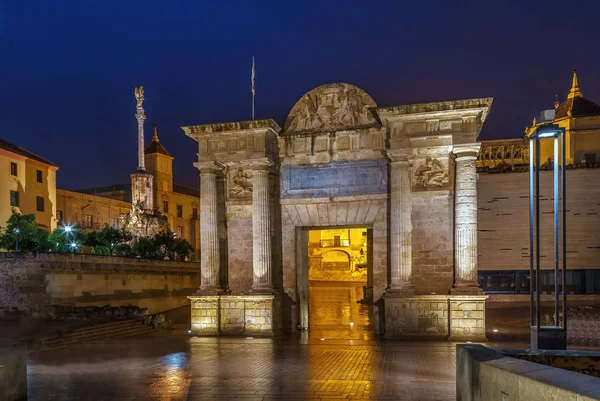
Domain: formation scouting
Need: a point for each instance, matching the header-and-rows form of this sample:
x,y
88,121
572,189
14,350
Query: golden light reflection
x,y
172,379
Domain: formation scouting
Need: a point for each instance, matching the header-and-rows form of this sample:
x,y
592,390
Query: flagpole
x,y
253,89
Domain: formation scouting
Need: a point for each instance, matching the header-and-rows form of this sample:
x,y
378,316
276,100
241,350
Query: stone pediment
x,y
331,107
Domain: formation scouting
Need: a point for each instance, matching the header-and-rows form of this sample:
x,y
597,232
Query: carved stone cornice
x,y
429,111
195,131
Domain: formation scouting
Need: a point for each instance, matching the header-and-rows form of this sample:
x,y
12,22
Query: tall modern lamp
x,y
552,336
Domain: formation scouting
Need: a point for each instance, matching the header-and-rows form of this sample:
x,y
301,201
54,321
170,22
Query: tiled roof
x,y
155,146
578,106
11,147
182,189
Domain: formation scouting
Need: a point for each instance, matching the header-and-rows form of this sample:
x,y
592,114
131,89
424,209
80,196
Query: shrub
x,y
21,230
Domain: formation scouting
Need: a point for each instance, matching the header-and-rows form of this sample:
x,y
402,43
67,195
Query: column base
x,y
210,291
467,289
263,291
406,290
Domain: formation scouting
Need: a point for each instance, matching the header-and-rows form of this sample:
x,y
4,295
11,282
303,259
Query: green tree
x,y
105,241
182,248
164,243
60,241
21,232
144,247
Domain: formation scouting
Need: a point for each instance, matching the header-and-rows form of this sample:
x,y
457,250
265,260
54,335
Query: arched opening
x,y
337,283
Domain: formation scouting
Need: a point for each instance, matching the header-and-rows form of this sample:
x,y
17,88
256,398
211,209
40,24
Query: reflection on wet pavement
x,y
335,312
179,368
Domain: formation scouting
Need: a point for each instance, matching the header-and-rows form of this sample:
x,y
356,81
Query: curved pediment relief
x,y
331,107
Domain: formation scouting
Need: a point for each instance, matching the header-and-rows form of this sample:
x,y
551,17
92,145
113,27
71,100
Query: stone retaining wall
x,y
483,374
30,283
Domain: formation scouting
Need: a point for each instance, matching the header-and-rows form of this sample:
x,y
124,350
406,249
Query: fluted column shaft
x,y
400,226
209,238
465,218
261,230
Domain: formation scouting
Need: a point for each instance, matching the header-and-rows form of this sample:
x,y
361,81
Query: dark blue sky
x,y
67,70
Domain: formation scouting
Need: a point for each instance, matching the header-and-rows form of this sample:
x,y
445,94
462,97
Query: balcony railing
x,y
335,242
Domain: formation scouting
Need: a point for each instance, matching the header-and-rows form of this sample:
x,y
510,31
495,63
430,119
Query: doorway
x,y
337,278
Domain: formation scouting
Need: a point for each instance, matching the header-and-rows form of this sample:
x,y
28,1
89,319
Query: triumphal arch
x,y
406,174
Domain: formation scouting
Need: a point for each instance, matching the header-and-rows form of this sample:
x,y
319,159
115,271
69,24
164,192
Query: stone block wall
x,y
13,373
467,317
436,316
30,283
236,315
433,241
239,239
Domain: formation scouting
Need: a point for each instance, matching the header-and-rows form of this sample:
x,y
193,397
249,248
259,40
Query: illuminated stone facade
x,y
406,174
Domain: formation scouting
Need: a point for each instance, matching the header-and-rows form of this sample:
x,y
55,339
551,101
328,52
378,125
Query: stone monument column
x,y
261,228
465,221
400,223
209,238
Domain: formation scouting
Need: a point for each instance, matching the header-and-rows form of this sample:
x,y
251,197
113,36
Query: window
x,y
179,211
39,177
89,221
165,207
195,213
14,198
13,169
59,216
39,203
180,231
115,222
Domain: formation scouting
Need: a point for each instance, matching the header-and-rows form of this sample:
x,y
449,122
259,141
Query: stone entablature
x,y
406,174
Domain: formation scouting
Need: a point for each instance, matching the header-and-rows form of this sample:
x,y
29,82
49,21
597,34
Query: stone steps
x,y
127,328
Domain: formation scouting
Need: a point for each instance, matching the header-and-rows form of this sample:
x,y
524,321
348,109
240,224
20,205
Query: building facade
x,y
503,205
28,184
405,174
94,207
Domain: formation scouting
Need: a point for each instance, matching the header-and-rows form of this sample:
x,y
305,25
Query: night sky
x,y
67,70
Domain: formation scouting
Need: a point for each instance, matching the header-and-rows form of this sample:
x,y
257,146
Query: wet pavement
x,y
335,360
183,368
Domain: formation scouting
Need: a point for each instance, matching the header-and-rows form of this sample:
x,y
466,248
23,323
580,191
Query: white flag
x,y
253,75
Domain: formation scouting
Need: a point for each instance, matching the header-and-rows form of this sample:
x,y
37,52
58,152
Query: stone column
x,y
400,224
465,220
261,228
209,237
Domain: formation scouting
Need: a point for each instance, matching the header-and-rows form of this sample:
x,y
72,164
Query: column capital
x,y
399,155
470,150
210,167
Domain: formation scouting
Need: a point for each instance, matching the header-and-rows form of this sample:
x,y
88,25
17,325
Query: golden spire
x,y
556,103
155,136
575,92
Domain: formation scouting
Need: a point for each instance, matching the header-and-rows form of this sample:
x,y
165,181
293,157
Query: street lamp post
x,y
549,336
17,231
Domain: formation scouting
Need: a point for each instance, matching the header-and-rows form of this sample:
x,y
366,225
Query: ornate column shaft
x,y
209,237
141,117
465,220
400,224
261,229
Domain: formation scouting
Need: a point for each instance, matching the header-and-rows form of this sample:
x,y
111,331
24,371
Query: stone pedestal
x,y
456,318
467,317
416,317
236,315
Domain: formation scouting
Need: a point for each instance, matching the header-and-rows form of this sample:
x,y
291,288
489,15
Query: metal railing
x,y
335,242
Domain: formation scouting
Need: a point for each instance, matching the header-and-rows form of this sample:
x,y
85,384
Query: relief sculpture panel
x,y
330,108
240,184
430,173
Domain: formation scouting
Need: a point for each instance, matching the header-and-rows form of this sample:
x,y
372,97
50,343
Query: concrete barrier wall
x,y
483,374
13,373
31,282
